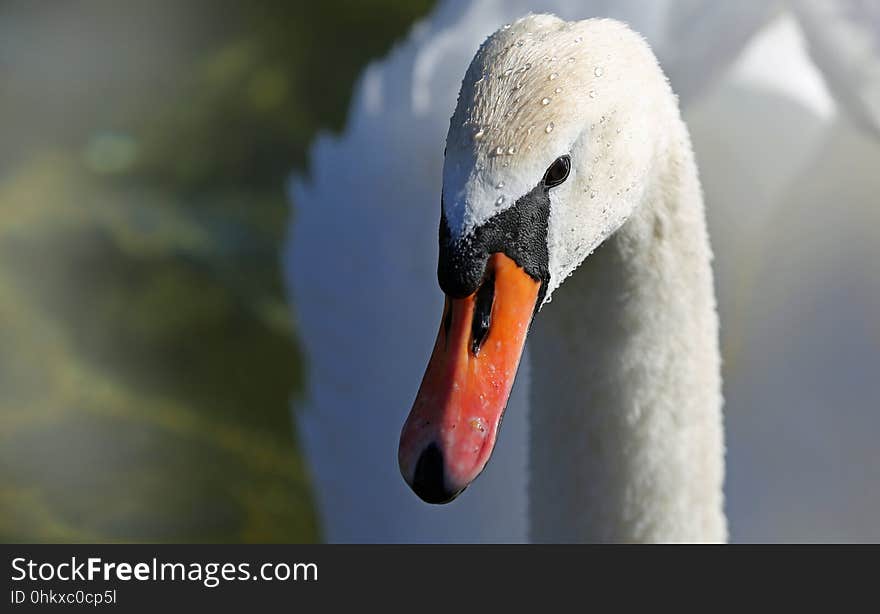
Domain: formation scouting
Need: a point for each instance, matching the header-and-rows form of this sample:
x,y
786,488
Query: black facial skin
x,y
519,232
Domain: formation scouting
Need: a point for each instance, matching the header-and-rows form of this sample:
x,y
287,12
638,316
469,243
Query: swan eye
x,y
558,172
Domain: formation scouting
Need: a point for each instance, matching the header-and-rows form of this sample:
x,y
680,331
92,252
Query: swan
x,y
368,206
567,140
367,191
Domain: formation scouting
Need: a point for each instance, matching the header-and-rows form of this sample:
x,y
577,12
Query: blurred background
x,y
201,204
147,357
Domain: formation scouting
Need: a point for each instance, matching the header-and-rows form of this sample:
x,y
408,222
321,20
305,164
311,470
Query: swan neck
x,y
626,427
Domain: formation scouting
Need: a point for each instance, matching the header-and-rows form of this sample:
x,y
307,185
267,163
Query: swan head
x,y
548,153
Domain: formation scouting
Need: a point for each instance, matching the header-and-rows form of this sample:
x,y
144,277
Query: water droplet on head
x,y
500,201
520,43
553,75
508,72
545,101
549,128
618,131
598,71
505,26
570,60
511,150
579,39
592,93
499,185
479,134
592,193
558,89
499,151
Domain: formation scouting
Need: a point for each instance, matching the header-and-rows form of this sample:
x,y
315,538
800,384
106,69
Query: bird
x,y
567,147
361,255
362,227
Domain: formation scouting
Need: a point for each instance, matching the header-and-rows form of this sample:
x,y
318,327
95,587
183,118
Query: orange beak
x,y
451,430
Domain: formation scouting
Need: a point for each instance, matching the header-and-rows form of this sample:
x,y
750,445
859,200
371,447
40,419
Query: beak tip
x,y
429,478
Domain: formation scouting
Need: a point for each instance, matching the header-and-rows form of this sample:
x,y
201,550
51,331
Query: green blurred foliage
x,y
147,358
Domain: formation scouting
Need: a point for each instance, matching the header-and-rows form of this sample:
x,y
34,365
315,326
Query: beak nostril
x,y
482,312
429,481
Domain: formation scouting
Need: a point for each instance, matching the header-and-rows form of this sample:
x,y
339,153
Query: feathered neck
x,y
626,426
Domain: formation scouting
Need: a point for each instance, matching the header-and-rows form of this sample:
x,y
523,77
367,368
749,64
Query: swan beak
x,y
451,430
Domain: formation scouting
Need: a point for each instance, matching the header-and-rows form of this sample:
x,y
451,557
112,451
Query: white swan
x,y
567,136
369,191
369,206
